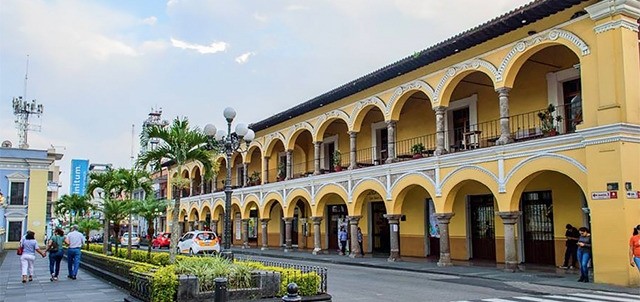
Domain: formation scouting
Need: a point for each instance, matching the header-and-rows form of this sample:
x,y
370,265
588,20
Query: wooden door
x,y
483,239
539,245
335,213
381,229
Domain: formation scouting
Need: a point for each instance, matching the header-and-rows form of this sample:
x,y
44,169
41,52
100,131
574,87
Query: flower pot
x,y
417,155
337,168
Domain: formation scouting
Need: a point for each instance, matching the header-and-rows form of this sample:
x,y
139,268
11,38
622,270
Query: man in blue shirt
x,y
74,240
342,236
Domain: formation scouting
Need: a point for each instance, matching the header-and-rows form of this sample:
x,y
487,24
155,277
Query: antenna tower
x,y
23,109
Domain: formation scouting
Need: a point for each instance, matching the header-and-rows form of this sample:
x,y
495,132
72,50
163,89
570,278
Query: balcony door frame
x,y
325,163
470,102
376,138
555,91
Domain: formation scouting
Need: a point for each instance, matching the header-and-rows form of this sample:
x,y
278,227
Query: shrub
x,y
160,259
164,284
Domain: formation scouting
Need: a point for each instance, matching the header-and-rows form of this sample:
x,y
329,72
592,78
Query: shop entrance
x,y
483,240
337,215
537,210
380,227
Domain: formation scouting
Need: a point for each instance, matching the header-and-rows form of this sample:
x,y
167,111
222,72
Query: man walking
x,y
571,252
74,240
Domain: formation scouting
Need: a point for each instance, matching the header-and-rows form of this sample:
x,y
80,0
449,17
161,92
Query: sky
x,y
100,67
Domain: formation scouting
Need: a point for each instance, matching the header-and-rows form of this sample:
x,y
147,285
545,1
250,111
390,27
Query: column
x,y
440,131
265,172
353,164
509,220
505,131
317,246
287,233
316,159
394,232
445,250
354,252
391,141
289,167
245,167
214,186
214,227
264,223
245,233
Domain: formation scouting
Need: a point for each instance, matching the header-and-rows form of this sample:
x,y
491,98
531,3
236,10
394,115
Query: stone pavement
x,y
84,289
541,276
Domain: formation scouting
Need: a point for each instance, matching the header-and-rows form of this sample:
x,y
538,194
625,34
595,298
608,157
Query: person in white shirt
x,y
74,240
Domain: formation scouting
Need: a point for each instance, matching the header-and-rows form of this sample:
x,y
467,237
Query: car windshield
x,y
206,236
127,235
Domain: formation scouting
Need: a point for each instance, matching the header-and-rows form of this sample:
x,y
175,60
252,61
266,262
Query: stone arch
x,y
326,119
452,183
524,49
271,141
194,215
405,183
236,201
360,111
457,73
332,188
183,213
205,208
218,209
362,187
295,131
248,202
247,155
295,195
270,200
402,93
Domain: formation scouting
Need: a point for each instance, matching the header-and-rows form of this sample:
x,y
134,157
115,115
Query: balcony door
x,y
572,104
461,116
380,137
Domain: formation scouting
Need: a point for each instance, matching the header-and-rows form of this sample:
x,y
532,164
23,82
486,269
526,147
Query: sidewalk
x,y
538,275
86,288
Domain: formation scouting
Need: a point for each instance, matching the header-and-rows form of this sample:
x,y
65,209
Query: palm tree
x,y
150,209
107,181
86,225
129,181
73,205
114,212
179,144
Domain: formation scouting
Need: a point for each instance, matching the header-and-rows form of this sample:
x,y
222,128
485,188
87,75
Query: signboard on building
x,y
79,174
604,195
633,194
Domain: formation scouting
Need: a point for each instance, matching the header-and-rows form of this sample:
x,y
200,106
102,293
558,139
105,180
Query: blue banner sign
x,y
79,174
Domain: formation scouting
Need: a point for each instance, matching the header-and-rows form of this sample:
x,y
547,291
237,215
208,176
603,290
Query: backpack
x,y
53,248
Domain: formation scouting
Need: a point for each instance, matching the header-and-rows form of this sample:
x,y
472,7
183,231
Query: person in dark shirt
x,y
584,253
571,252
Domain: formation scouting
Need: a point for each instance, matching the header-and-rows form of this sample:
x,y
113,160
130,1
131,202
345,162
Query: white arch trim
x,y
420,174
355,187
465,167
568,159
414,85
374,100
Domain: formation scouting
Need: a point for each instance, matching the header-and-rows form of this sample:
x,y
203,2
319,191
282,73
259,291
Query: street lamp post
x,y
232,142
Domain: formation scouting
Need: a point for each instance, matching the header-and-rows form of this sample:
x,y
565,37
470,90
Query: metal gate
x,y
483,239
539,244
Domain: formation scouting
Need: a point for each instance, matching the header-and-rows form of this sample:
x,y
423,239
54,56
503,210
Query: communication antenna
x,y
23,109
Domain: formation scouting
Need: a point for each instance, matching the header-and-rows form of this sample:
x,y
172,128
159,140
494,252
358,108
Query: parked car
x,y
135,240
196,242
161,240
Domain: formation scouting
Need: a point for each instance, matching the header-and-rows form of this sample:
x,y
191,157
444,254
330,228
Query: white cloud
x,y
295,7
244,57
260,17
153,46
203,49
172,2
150,21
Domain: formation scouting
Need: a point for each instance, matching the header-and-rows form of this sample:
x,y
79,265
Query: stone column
x,y
265,173
316,159
445,250
317,246
391,141
214,227
289,167
509,219
354,252
264,223
245,172
440,131
287,233
353,163
245,233
505,131
394,232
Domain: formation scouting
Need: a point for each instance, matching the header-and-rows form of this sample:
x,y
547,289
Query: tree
x,y
179,144
86,225
130,180
150,208
73,205
104,182
114,212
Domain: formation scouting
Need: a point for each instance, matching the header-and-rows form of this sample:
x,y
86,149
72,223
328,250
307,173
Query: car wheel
x,y
191,252
178,251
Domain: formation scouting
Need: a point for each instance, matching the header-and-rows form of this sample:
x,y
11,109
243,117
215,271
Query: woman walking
x,y
29,250
584,253
634,248
54,247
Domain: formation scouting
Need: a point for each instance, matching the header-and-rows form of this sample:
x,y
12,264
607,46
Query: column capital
x,y
245,220
266,157
318,143
510,217
265,220
354,219
503,90
316,219
391,123
352,133
214,221
393,218
444,218
441,109
287,219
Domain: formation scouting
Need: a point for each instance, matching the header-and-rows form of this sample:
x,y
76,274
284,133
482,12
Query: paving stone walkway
x,y
86,288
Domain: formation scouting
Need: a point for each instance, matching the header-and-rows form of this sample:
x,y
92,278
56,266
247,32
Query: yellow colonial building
x,y
481,147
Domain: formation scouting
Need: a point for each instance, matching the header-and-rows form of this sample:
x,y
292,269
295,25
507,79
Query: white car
x,y
196,242
135,240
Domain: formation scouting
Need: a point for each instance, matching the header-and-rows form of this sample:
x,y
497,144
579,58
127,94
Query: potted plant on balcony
x,y
417,150
548,121
254,178
337,160
282,171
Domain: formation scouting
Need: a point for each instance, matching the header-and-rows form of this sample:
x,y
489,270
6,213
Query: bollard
x,y
292,293
220,294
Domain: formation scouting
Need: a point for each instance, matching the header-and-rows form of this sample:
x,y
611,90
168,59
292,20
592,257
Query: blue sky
x,y
100,66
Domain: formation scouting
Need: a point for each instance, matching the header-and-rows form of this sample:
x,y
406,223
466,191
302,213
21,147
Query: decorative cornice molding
x,y
475,63
611,25
605,9
413,85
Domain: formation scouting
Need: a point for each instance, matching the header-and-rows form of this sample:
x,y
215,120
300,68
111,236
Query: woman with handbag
x,y
54,247
29,249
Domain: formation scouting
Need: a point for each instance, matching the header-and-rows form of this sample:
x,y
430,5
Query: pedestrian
x,y
29,250
360,241
54,247
571,251
74,240
584,253
634,248
342,236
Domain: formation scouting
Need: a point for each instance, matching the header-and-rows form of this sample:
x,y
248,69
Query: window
x,y
50,176
17,193
15,231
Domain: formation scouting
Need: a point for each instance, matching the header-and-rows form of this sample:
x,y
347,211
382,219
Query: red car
x,y
162,240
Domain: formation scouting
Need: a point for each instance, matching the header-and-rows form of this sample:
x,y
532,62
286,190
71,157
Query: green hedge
x,y
308,283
